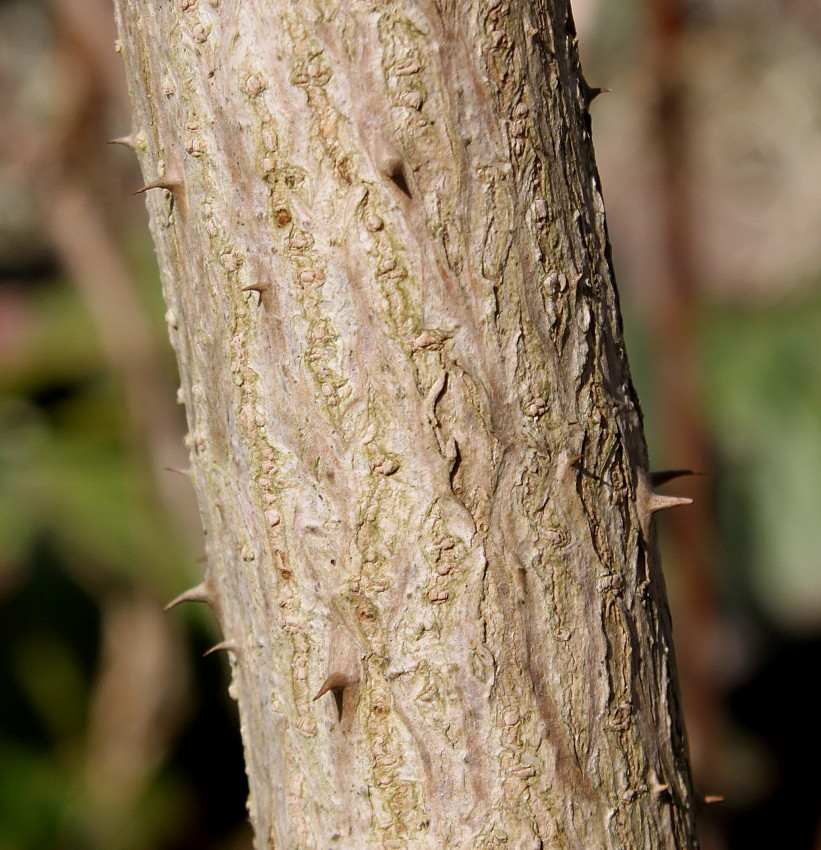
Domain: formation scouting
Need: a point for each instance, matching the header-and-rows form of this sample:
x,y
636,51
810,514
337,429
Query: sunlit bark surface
x,y
414,439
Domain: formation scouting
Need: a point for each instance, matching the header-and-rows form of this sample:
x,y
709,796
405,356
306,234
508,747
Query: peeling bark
x,y
414,439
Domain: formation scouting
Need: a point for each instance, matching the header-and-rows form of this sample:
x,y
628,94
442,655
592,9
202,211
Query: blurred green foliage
x,y
80,528
69,471
762,378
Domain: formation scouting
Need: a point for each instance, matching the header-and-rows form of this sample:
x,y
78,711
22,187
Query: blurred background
x,y
114,732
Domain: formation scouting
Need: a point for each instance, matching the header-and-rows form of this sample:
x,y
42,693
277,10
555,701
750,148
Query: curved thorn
x,y
657,502
590,93
163,183
193,594
260,288
334,682
225,644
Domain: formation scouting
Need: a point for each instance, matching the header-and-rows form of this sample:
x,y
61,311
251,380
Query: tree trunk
x,y
415,443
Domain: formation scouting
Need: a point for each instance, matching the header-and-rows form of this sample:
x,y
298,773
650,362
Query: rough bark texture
x,y
415,443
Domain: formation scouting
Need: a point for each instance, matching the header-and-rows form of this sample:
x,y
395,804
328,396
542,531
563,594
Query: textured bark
x,y
414,439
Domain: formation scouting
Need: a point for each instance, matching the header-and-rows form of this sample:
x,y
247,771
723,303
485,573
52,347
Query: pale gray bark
x,y
415,443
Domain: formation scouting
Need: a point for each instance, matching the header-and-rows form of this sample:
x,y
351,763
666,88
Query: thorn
x,y
186,472
260,288
657,502
130,141
256,287
394,170
173,184
590,94
194,594
648,502
665,475
163,183
574,462
713,798
225,644
336,684
660,788
571,466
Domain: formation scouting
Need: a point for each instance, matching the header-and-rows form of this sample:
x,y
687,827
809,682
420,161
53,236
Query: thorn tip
x,y
129,141
657,502
164,183
225,644
193,594
336,684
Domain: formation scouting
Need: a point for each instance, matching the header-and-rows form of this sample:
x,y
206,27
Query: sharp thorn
x,y
591,93
665,475
225,644
713,798
394,170
261,290
657,502
648,502
164,183
186,472
193,594
334,682
129,141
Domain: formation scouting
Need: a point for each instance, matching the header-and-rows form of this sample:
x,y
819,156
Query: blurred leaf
x,y
33,800
53,682
763,377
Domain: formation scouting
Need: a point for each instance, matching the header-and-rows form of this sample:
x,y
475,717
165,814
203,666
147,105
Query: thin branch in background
x,y
691,534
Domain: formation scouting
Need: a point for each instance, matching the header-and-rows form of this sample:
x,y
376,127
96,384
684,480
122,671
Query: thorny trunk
x,y
416,447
